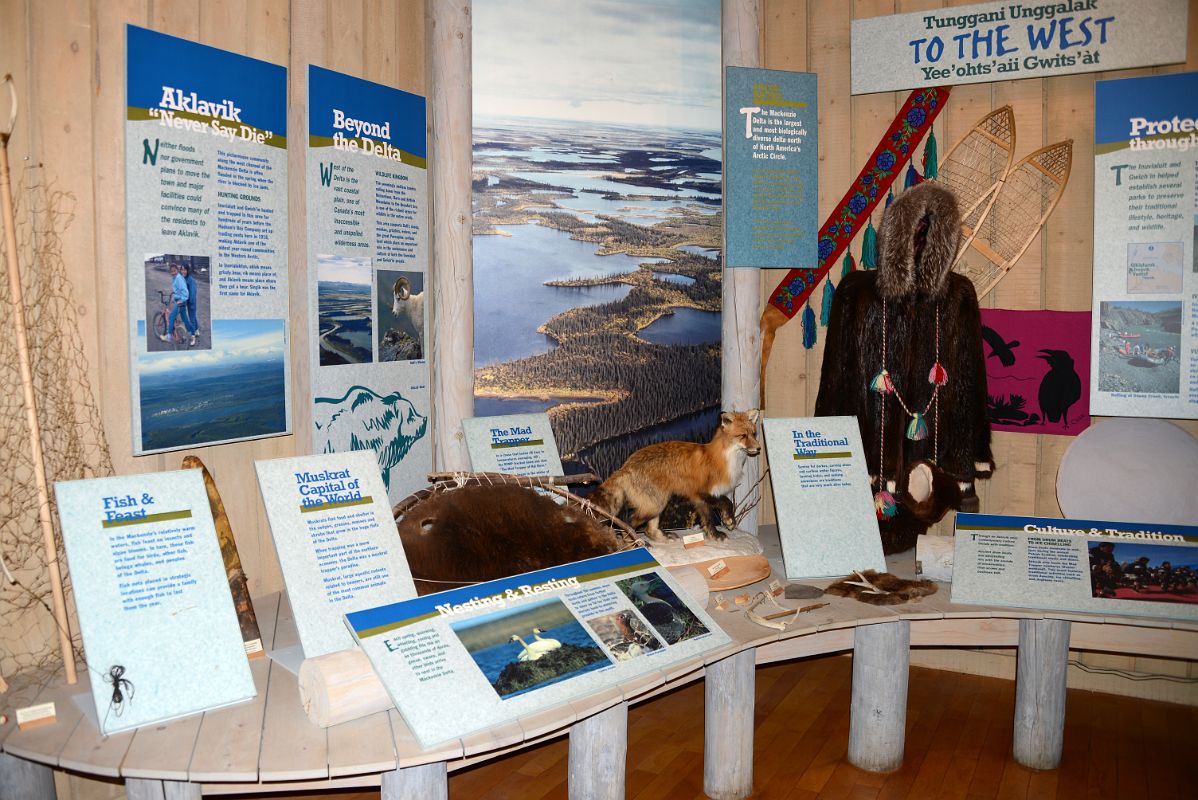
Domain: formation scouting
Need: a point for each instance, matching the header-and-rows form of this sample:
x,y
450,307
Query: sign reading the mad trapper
x,y
468,659
1006,41
1134,568
518,444
153,598
335,537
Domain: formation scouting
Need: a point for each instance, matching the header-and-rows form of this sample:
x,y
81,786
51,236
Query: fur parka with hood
x,y
917,243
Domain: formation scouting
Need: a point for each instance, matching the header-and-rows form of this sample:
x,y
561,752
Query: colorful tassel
x,y
931,170
917,429
848,265
884,505
889,197
869,247
938,375
808,327
913,178
826,309
882,383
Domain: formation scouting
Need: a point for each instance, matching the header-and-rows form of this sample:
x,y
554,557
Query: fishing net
x,y
72,434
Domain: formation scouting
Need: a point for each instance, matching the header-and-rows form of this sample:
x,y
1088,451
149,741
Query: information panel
x,y
160,633
772,162
1144,324
469,659
1077,565
367,191
206,244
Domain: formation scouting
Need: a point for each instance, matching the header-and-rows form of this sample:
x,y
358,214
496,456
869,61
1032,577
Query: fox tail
x,y
609,496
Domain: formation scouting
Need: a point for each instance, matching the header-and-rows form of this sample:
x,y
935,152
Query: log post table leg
x,y
425,782
598,752
878,715
1040,692
20,779
728,699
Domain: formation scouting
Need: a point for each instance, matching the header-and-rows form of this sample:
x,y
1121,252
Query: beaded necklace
x,y
917,429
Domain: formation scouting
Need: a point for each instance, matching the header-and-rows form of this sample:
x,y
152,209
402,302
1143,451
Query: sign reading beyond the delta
x,y
153,598
518,444
1135,568
1144,325
822,496
367,192
469,659
206,244
771,154
336,541
1006,41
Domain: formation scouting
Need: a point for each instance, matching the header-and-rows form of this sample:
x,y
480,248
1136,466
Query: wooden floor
x,y
958,746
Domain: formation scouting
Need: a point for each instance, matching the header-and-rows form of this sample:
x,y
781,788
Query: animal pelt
x,y
897,590
918,241
482,533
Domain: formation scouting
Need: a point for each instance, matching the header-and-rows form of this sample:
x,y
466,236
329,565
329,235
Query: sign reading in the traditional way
x,y
1006,41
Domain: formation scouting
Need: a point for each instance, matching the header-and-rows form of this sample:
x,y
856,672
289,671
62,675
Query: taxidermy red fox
x,y
700,473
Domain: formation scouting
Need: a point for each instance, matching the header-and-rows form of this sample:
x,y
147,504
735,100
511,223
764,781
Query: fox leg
x,y
704,512
651,527
723,506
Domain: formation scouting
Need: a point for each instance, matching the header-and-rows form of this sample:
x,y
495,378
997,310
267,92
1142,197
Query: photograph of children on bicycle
x,y
177,303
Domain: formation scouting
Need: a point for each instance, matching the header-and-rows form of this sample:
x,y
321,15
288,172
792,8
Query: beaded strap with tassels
x,y
917,428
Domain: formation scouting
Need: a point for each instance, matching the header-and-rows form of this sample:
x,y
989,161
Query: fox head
x,y
740,428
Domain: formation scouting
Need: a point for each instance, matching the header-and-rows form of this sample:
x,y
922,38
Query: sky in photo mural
x,y
597,219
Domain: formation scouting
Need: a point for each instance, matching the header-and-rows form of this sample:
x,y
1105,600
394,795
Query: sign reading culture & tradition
x,y
206,244
772,167
1006,41
367,191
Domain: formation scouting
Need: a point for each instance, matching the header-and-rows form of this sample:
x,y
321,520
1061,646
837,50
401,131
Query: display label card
x,y
1142,569
157,619
336,541
518,444
772,166
1144,325
368,315
469,659
206,244
990,42
822,497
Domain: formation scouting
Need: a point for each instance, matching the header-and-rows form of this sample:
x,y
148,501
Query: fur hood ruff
x,y
917,242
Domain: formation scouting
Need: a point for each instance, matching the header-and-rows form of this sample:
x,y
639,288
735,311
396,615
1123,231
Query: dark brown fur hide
x,y
482,533
899,590
917,243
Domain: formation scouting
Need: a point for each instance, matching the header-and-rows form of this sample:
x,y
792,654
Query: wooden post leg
x,y
25,780
1040,692
425,782
598,751
878,716
144,789
728,699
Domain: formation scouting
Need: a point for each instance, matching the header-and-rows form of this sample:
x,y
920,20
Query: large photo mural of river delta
x,y
597,219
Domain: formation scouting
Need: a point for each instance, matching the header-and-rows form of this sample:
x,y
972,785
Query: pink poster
x,y
1037,370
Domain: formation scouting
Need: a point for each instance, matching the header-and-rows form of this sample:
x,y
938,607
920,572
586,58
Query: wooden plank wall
x,y
68,60
1055,272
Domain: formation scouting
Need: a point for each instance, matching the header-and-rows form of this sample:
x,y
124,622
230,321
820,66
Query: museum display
x,y
910,332
517,444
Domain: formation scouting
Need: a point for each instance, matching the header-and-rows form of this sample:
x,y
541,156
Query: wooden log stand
x,y
878,717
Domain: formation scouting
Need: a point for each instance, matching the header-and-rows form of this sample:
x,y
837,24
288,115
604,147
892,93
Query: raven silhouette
x,y
999,346
1060,388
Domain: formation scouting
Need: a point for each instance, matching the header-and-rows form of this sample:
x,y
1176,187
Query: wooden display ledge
x,y
269,745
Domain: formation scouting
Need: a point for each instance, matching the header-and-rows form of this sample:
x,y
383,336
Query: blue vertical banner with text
x,y
771,157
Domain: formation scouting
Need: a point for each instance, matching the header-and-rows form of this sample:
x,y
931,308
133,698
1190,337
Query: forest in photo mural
x,y
597,219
